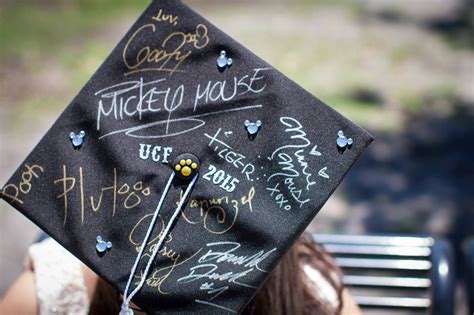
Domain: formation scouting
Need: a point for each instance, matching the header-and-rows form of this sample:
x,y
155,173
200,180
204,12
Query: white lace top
x,y
59,279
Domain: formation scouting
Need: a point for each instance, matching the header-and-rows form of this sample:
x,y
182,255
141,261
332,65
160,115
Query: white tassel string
x,y
125,308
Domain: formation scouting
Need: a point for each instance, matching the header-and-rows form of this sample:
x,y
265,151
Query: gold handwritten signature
x,y
12,192
159,275
168,56
161,16
131,195
213,213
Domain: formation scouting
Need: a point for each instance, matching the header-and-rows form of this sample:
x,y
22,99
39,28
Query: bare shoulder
x,y
349,306
21,296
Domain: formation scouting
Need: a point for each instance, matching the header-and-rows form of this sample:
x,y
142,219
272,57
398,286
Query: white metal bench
x,y
395,274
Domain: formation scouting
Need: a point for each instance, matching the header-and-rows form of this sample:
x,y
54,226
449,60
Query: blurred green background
x,y
401,69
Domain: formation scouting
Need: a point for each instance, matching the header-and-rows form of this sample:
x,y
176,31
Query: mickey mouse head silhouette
x,y
223,61
343,142
252,128
77,140
102,246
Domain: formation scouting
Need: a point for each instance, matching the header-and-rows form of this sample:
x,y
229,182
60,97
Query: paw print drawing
x,y
77,140
343,142
133,198
224,62
186,166
252,128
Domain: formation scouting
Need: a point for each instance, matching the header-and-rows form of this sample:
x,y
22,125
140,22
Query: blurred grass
x,y
364,68
441,99
363,112
85,62
53,48
55,30
29,31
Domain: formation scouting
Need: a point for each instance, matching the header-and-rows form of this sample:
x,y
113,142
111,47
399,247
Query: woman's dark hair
x,y
288,289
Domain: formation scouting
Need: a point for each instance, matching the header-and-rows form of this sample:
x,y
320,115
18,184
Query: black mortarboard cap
x,y
251,155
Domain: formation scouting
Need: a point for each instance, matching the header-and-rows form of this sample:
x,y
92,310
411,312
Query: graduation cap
x,y
185,168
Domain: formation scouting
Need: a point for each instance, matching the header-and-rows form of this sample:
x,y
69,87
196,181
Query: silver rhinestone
x,y
252,127
342,142
77,140
223,61
101,247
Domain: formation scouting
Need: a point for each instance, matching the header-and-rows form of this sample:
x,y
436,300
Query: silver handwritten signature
x,y
132,100
223,255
